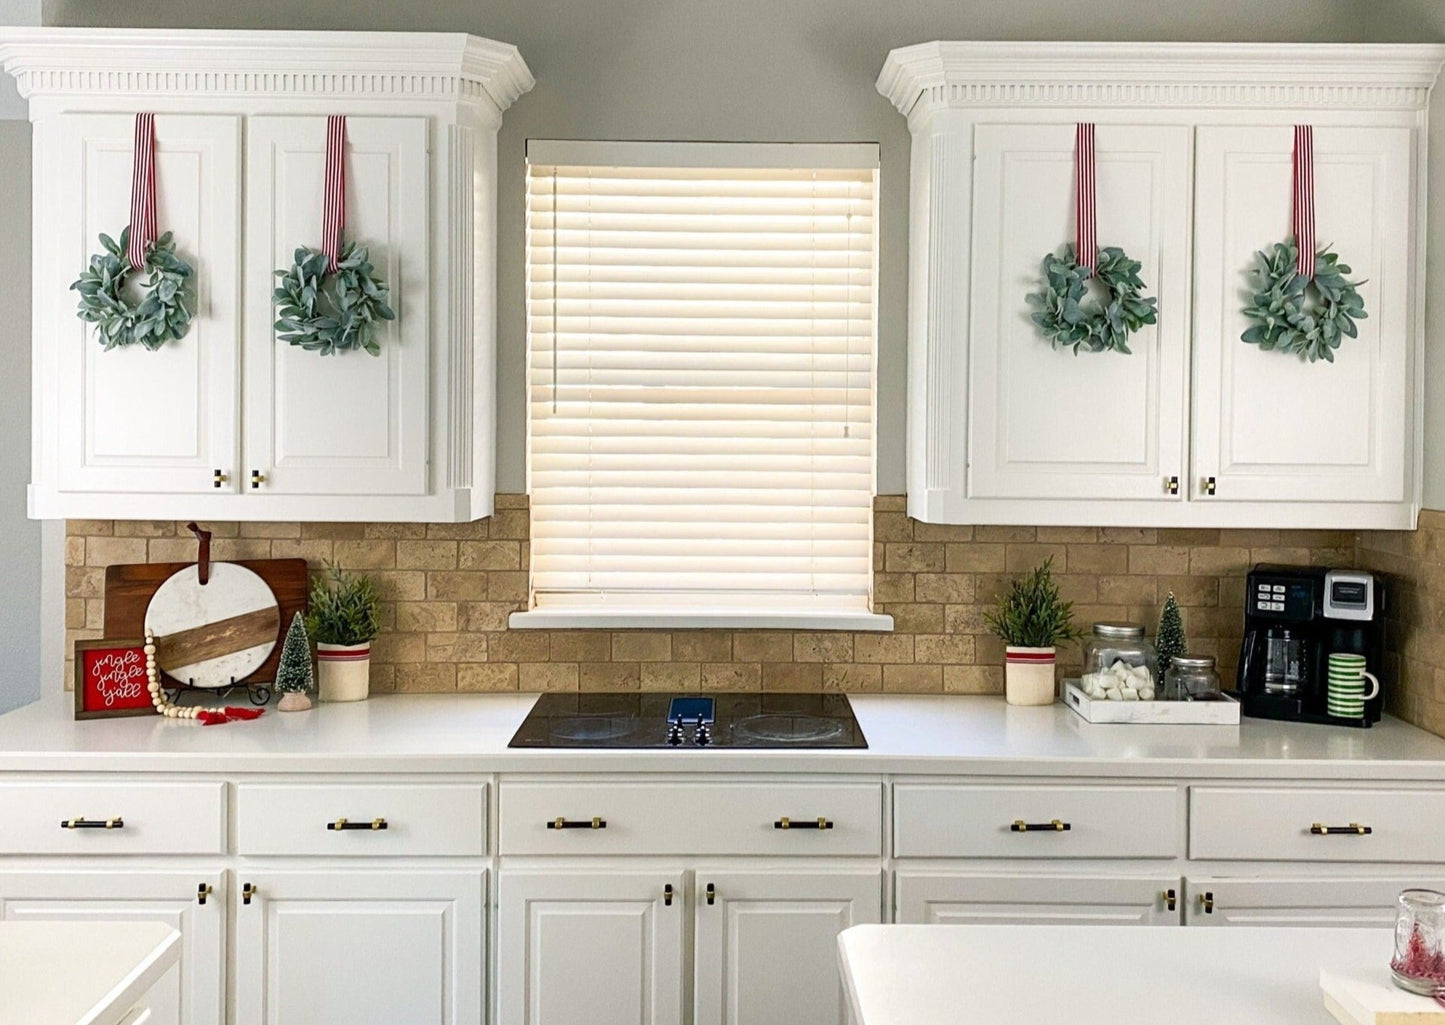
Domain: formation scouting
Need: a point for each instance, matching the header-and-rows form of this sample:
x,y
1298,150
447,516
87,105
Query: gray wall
x,y
763,70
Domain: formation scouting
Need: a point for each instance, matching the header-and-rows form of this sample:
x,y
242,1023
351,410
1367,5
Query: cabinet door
x,y
605,948
191,993
351,423
941,898
1311,903
767,944
1044,423
130,420
1268,426
341,948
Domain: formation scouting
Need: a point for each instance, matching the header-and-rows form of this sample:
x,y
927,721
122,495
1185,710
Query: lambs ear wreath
x,y
1308,316
1068,317
331,312
162,313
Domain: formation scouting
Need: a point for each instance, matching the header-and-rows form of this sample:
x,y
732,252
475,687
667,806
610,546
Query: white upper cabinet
x,y
1044,424
1196,427
350,423
1269,427
230,422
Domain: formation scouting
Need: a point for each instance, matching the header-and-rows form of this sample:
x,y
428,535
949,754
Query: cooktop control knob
x,y
674,733
703,736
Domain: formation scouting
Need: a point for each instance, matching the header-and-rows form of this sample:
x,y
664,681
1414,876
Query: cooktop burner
x,y
691,721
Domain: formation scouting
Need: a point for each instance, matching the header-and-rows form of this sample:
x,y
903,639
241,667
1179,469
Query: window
x,y
700,323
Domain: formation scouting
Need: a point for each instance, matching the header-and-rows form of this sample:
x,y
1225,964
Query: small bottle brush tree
x,y
1031,615
1170,640
293,674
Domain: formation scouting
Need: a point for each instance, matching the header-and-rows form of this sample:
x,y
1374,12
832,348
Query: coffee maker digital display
x,y
1295,617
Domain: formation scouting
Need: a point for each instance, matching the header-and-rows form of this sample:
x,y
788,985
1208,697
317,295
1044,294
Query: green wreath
x,y
1305,316
161,315
1068,317
330,313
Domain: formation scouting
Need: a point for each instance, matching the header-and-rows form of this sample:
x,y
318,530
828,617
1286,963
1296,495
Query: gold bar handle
x,y
1052,826
819,823
595,822
1353,829
343,824
81,822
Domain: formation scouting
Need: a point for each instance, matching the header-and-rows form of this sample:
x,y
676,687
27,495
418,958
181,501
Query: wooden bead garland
x,y
164,705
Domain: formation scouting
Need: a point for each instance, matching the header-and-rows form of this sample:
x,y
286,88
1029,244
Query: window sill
x,y
700,619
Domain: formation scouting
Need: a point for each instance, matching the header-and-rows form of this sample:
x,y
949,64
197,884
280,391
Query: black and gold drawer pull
x,y
80,822
667,895
593,823
1353,829
1055,826
1170,899
341,824
711,894
247,892
203,891
1206,902
818,823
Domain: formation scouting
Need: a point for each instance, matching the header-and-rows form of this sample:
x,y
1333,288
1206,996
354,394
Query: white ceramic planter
x,y
1028,675
343,671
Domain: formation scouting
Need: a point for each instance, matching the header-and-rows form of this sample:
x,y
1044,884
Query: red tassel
x,y
243,714
209,718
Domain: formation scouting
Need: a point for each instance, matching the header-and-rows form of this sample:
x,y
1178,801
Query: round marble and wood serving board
x,y
209,635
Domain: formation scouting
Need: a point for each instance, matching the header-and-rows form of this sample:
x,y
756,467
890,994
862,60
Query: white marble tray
x,y
1174,713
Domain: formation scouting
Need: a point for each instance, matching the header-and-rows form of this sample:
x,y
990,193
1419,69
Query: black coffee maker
x,y
1294,617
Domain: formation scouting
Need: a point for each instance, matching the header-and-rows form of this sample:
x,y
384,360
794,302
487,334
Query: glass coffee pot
x,y
1284,661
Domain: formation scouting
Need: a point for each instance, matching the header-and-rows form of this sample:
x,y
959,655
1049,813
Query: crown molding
x,y
936,75
447,66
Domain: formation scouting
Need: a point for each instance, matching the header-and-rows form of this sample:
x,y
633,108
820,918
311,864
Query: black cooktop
x,y
684,721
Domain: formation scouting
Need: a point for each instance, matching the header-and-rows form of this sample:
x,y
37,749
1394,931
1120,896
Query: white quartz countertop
x,y
1097,975
80,973
906,734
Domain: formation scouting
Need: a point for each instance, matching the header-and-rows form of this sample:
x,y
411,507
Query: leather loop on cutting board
x,y
203,556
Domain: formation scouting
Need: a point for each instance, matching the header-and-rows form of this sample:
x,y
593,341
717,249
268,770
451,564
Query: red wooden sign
x,y
110,679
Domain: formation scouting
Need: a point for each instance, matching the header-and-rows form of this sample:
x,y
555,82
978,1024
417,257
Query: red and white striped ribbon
x,y
333,214
142,190
1304,199
1086,221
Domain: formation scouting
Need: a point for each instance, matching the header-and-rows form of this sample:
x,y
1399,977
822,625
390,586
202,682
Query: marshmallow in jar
x,y
1119,664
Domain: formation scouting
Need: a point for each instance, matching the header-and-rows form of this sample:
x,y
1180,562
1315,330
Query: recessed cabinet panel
x,y
1299,902
1268,425
767,943
348,423
602,947
946,898
336,948
131,419
192,992
1045,423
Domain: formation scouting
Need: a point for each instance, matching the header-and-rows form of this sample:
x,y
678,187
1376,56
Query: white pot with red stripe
x,y
343,671
1028,675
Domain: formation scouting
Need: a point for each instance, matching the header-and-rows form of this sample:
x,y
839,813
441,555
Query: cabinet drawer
x,y
1316,825
932,821
145,818
691,818
337,819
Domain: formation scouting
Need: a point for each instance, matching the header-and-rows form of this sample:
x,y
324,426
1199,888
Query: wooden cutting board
x,y
1366,996
129,588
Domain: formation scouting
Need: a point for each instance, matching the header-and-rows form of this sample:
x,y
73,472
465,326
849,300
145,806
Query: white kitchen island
x,y
1097,975
82,973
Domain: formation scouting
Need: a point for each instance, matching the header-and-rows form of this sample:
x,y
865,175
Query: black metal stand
x,y
256,693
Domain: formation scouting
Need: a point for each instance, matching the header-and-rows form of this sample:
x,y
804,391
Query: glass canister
x,y
1120,664
1191,678
1419,961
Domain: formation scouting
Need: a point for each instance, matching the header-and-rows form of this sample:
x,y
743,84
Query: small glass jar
x,y
1419,961
1191,678
1120,664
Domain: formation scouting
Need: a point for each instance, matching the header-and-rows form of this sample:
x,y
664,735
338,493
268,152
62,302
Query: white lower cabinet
x,y
601,946
947,898
765,950
191,993
341,947
1314,902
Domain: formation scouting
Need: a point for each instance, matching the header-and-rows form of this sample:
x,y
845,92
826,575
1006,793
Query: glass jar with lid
x,y
1191,678
1120,664
1419,961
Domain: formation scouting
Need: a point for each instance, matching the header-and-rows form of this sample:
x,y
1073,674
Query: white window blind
x,y
701,374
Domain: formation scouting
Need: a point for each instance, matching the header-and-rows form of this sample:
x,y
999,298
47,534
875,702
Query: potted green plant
x,y
343,618
1031,619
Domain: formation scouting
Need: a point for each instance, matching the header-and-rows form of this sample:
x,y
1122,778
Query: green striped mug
x,y
1347,695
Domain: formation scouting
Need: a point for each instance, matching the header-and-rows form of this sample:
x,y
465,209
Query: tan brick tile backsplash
x,y
448,588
